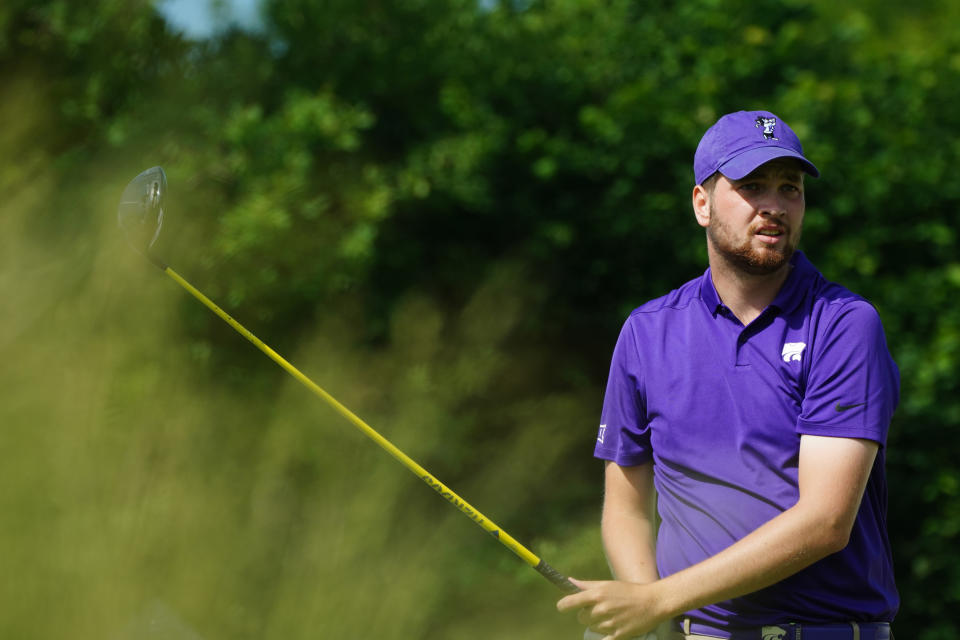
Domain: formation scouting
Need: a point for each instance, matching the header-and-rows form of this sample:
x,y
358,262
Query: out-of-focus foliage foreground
x,y
441,211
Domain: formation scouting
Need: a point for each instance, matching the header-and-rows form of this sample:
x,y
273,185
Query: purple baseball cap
x,y
740,142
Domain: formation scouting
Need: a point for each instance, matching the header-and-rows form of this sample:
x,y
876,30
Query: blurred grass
x,y
148,492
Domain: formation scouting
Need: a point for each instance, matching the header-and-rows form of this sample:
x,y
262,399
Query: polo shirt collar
x,y
794,290
790,295
708,293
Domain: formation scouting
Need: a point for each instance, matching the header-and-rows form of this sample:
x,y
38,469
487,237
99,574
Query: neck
x,y
745,294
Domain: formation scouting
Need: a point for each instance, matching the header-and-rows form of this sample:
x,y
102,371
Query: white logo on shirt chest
x,y
773,633
793,351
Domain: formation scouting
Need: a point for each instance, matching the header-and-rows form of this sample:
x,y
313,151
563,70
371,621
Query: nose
x,y
772,205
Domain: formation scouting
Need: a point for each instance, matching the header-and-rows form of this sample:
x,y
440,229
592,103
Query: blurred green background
x,y
441,211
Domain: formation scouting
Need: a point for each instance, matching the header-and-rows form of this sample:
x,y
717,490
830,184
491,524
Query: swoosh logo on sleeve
x,y
846,407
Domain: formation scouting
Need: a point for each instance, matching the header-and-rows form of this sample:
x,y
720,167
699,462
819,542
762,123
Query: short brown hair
x,y
711,182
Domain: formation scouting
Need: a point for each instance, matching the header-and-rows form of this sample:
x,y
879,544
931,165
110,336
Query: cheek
x,y
732,219
797,217
735,209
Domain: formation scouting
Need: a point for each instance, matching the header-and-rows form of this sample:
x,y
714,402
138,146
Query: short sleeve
x,y
624,435
853,385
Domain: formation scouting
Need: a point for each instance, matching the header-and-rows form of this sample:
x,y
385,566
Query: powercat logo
x,y
773,633
793,351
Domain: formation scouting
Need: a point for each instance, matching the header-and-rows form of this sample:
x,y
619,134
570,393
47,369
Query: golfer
x,y
749,409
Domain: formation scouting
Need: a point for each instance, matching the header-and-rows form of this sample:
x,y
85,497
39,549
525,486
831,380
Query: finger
x,y
583,598
580,599
583,585
573,601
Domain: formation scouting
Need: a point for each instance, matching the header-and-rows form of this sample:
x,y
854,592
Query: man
x,y
756,401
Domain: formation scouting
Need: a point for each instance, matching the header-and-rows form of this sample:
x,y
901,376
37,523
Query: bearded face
x,y
754,224
744,252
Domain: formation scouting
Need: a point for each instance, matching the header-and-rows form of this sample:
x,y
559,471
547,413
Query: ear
x,y
701,205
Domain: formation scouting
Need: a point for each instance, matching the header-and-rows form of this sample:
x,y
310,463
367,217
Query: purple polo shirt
x,y
719,408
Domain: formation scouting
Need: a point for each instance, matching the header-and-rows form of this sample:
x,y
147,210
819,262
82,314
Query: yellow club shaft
x,y
448,494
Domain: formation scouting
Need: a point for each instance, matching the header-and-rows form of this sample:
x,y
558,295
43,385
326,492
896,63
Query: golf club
x,y
140,216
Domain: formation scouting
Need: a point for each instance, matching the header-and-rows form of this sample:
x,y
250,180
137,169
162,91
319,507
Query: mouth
x,y
771,235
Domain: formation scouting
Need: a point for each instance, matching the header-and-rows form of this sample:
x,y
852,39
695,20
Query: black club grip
x,y
558,579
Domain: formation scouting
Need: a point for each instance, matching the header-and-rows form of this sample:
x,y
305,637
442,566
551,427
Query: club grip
x,y
558,579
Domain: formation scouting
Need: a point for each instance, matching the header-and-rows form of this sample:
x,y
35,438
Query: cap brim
x,y
742,165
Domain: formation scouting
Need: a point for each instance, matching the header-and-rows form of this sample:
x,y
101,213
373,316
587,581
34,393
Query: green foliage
x,y
445,209
92,60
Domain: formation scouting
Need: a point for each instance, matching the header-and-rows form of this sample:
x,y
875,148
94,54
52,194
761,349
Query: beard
x,y
744,256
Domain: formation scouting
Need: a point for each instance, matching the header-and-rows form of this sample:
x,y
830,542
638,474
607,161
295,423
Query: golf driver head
x,y
140,213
